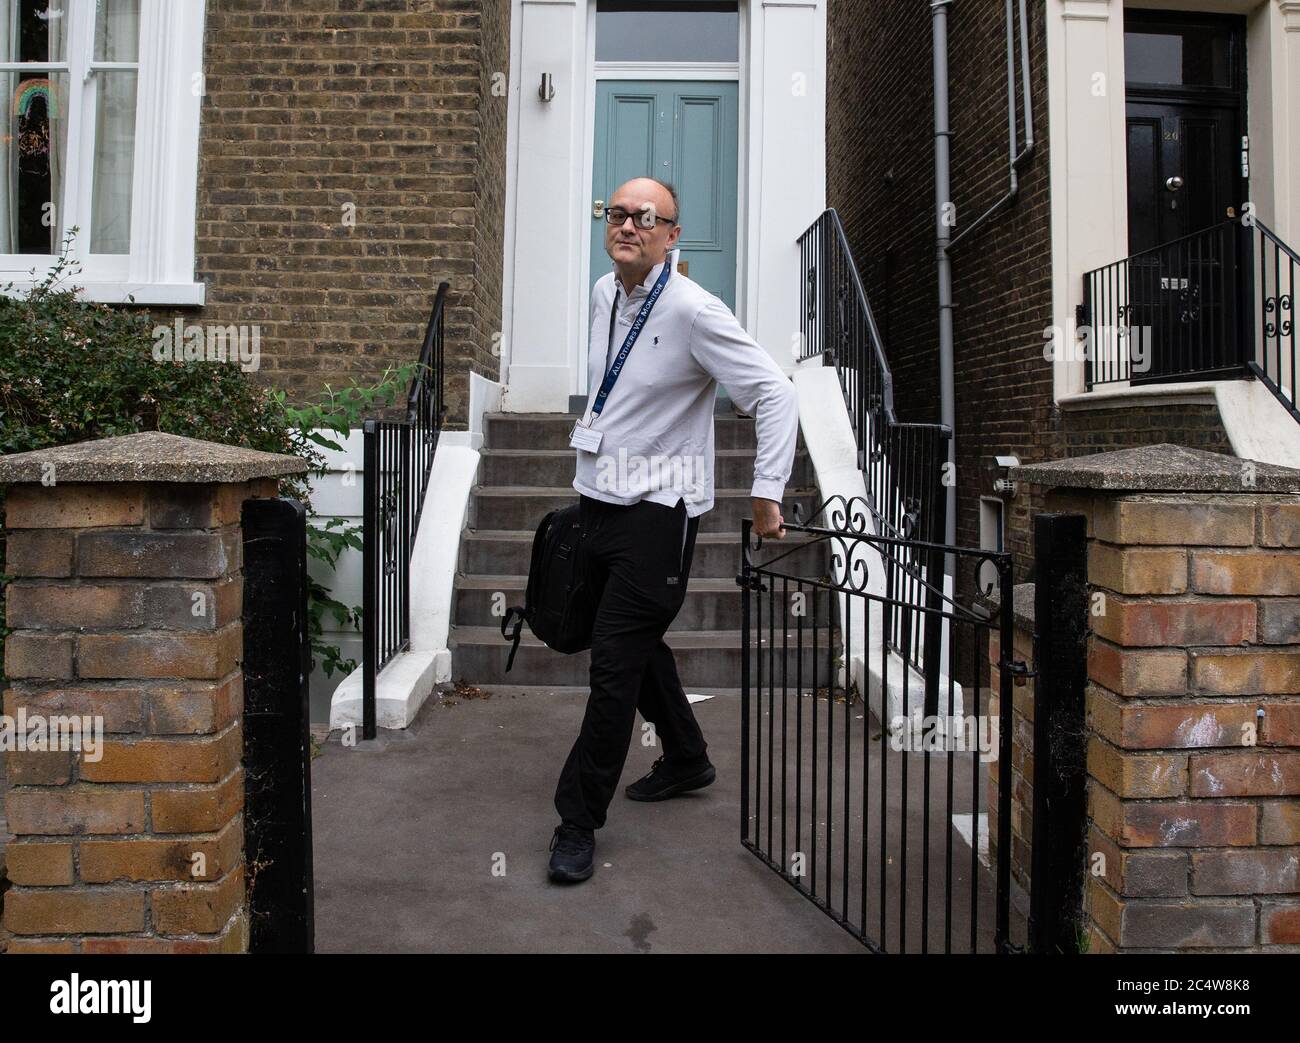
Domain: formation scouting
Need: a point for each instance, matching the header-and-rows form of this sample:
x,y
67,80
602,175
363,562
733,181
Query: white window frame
x,y
159,269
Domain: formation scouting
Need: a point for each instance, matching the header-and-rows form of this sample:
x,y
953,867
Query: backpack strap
x,y
516,613
519,613
535,559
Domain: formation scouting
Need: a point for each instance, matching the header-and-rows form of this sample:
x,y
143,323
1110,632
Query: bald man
x,y
660,345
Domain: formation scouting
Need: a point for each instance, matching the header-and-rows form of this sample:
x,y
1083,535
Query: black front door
x,y
1184,170
1185,87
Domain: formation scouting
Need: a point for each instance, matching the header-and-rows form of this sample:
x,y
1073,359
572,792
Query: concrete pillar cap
x,y
149,456
1161,468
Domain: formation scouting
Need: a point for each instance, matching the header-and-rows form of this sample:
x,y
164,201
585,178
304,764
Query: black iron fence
x,y
902,464
855,790
398,459
1214,304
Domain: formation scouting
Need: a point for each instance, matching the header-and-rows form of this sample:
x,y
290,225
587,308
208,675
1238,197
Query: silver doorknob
x,y
598,208
1174,183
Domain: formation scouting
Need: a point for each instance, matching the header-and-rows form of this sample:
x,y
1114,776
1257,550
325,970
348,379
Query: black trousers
x,y
638,562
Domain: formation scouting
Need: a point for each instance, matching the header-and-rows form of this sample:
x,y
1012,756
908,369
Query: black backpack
x,y
558,605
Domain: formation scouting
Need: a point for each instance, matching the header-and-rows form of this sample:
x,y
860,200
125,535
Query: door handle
x,y
598,208
1174,183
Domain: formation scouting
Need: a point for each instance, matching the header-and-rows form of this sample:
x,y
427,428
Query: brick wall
x,y
1194,721
1198,426
125,605
485,293
880,176
386,105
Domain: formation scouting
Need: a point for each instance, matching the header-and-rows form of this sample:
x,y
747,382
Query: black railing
x,y
903,464
424,404
1274,361
1213,304
398,459
1168,313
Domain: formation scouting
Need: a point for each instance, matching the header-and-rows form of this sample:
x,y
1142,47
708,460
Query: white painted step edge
x,y
400,691
828,434
1257,424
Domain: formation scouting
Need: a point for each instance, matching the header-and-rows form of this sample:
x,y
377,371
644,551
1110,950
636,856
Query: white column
x,y
1086,135
785,171
544,245
1286,112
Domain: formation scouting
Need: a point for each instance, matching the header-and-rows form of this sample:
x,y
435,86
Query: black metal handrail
x,y
1208,305
1274,362
397,463
902,464
424,404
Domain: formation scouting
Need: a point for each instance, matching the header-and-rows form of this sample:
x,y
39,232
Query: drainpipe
x,y
1016,157
943,199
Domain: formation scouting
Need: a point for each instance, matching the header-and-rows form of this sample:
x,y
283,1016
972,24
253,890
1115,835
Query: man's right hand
x,y
768,520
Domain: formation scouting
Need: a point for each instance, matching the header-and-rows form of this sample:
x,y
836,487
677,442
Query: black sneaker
x,y
572,851
666,779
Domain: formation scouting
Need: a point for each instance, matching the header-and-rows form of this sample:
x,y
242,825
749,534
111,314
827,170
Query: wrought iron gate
x,y
869,729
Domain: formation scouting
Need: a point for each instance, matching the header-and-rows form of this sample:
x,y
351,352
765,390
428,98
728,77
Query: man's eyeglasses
x,y
644,218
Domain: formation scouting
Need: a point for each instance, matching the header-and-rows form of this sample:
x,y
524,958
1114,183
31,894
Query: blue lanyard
x,y
614,370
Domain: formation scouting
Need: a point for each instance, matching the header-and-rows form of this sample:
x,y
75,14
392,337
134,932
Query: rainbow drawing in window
x,y
33,130
27,93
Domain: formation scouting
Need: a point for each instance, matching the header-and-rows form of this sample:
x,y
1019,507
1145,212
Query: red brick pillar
x,y
1194,698
124,603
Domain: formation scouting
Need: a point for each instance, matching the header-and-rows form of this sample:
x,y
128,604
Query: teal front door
x,y
682,132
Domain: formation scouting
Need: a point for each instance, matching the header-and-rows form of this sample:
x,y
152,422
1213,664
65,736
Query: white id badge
x,y
585,438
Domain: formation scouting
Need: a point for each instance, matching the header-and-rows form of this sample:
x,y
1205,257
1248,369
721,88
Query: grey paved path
x,y
406,837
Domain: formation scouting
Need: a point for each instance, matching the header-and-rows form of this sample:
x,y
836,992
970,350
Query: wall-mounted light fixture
x,y
547,90
1002,483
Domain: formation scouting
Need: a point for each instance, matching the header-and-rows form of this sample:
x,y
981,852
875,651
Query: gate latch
x,y
1019,671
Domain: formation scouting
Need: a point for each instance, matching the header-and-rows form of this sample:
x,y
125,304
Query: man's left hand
x,y
768,521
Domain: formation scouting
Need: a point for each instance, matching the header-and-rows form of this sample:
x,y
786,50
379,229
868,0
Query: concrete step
x,y
710,604
705,659
523,507
495,552
732,468
551,431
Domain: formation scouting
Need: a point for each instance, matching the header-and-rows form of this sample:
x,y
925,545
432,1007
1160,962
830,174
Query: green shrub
x,y
71,371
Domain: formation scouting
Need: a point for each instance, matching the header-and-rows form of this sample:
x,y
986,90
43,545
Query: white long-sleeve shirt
x,y
657,423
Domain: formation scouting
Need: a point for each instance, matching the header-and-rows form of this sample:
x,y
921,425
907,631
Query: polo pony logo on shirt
x,y
629,473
